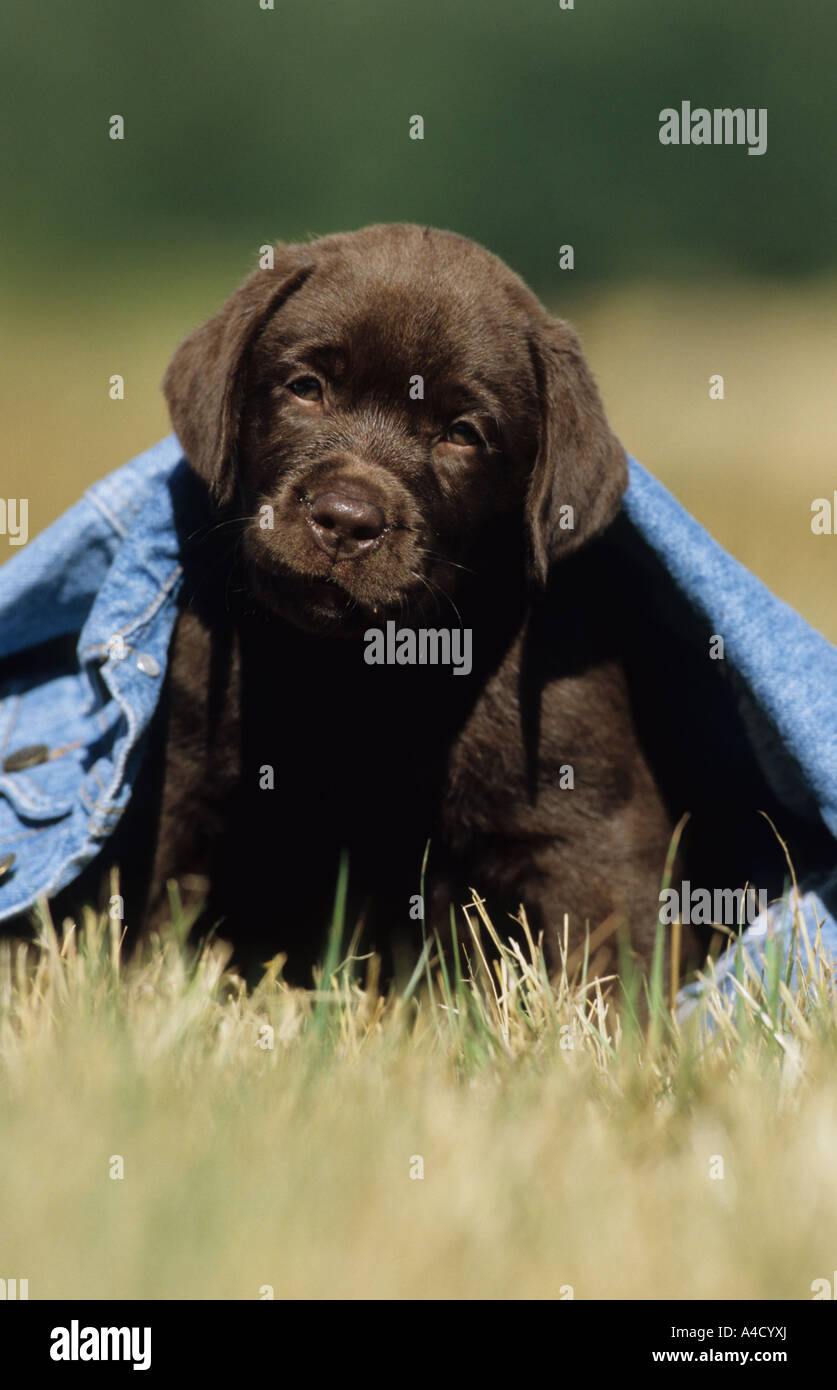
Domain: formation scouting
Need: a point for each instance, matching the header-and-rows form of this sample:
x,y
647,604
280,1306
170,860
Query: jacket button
x,y
5,864
30,756
148,664
117,648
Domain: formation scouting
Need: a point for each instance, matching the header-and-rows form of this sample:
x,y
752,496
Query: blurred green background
x,y
245,125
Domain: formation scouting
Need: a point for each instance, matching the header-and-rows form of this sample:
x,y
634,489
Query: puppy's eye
x,y
464,435
307,388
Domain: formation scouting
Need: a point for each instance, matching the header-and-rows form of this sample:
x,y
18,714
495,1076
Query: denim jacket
x,y
104,577
100,588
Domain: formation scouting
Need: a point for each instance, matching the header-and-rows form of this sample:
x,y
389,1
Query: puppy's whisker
x,y
435,589
445,561
421,579
447,596
219,526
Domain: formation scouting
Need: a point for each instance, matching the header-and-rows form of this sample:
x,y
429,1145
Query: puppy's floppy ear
x,y
580,464
204,382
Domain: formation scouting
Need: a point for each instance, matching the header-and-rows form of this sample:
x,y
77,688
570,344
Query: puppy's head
x,y
390,414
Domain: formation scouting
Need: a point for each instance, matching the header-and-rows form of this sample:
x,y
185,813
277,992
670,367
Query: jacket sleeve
x,y
47,588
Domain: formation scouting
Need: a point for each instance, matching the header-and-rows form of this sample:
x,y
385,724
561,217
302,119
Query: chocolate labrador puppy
x,y
405,619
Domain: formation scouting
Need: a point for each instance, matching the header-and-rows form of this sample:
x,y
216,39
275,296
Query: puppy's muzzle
x,y
345,524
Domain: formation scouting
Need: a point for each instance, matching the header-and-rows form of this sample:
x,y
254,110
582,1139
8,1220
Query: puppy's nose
x,y
344,524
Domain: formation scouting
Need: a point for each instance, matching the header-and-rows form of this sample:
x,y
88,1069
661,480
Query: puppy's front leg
x,y
197,742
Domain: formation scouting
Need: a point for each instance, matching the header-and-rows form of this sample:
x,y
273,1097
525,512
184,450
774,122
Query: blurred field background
x,y
544,1167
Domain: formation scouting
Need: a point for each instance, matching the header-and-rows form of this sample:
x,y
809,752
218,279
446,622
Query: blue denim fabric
x,y
105,575
786,681
105,578
804,934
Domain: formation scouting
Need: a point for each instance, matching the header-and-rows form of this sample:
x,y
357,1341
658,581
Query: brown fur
x,y
267,662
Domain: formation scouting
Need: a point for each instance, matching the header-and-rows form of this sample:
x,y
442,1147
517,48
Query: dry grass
x,y
563,1143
